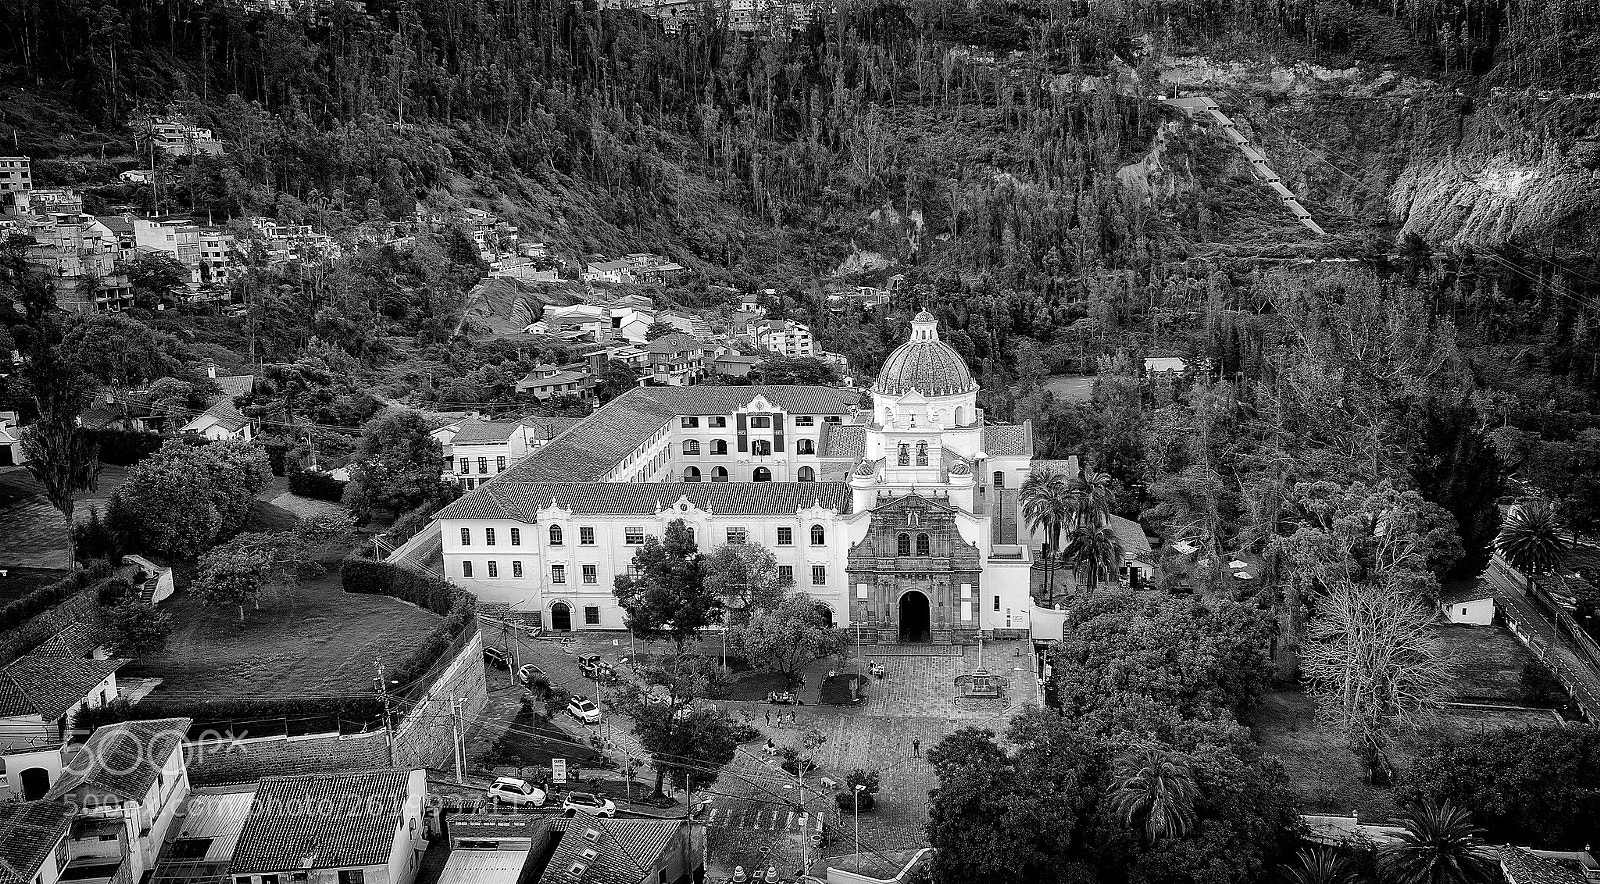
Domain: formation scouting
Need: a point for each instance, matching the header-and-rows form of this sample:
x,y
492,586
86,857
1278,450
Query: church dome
x,y
925,364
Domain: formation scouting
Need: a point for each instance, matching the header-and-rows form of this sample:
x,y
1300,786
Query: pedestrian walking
x,y
916,748
769,718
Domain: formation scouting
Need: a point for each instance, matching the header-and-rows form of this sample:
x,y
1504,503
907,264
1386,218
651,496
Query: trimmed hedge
x,y
46,597
318,486
245,717
125,447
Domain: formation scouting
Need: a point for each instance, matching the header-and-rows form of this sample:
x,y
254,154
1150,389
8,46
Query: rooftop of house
x,y
49,686
521,501
224,414
331,820
1131,535
1471,592
624,850
842,441
29,832
236,384
124,759
1008,440
1522,866
482,432
596,444
565,376
677,342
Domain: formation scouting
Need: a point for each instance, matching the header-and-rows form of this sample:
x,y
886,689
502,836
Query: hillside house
x,y
33,841
1472,605
40,694
126,786
364,827
675,360
784,337
511,848
479,450
550,382
182,139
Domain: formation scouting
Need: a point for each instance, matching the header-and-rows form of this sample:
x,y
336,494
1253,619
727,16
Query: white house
x,y
10,440
125,786
33,841
40,693
1473,605
363,827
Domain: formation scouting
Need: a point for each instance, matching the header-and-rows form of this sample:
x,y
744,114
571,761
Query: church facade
x,y
896,508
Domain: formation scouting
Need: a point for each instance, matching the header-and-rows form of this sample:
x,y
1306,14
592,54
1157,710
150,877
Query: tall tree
x,y
1096,553
396,465
788,637
1533,538
1048,502
1154,786
665,594
745,577
64,460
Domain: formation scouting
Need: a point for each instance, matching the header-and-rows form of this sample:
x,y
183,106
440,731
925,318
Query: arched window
x,y
691,447
999,479
903,547
819,537
960,417
922,545
922,454
805,446
719,446
807,474
905,455
719,474
888,415
555,535
691,474
762,474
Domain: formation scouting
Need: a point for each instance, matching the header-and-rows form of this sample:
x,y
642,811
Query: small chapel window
x,y
905,455
922,454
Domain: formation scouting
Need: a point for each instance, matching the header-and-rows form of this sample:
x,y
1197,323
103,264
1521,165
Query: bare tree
x,y
1371,659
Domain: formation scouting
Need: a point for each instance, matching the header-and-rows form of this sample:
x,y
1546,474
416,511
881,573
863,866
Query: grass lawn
x,y
313,640
1324,775
752,686
1071,387
18,582
1488,663
529,743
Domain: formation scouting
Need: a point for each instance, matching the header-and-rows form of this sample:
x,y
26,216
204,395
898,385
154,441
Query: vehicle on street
x,y
588,802
510,790
597,669
583,709
784,698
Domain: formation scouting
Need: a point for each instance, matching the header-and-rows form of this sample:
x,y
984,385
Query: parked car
x,y
588,802
583,709
784,698
511,790
597,669
496,657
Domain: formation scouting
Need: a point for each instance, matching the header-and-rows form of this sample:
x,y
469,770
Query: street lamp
x,y
860,787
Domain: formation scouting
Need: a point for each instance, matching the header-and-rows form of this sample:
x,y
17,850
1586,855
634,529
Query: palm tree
x,y
1155,785
1094,497
1439,846
1533,539
1320,865
1047,502
1096,553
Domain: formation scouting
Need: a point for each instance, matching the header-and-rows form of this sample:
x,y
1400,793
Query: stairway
x,y
1198,106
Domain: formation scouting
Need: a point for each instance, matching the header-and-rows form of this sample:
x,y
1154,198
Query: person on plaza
x,y
916,748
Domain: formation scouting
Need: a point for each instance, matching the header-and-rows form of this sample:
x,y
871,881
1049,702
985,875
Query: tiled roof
x,y
1470,592
346,820
237,384
226,416
625,850
503,499
589,450
78,640
1522,866
29,831
1008,440
840,440
677,342
547,428
481,432
124,759
1131,535
49,686
497,825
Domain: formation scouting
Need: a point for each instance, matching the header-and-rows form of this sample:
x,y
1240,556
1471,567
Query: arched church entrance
x,y
560,617
916,620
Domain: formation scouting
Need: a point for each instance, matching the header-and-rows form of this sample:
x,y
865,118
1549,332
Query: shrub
x,y
96,538
846,798
246,717
125,447
318,486
46,597
458,607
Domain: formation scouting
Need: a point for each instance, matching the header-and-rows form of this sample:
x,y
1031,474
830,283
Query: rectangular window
x,y
586,537
760,422
590,574
494,568
718,422
466,536
500,464
464,467
591,616
736,535
786,537
352,876
804,420
819,575
689,422
633,535
786,573
997,603
516,568
488,537
516,536
466,569
483,465
558,573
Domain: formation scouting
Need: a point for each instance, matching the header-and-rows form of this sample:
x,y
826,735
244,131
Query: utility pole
x,y
805,834
383,693
458,751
